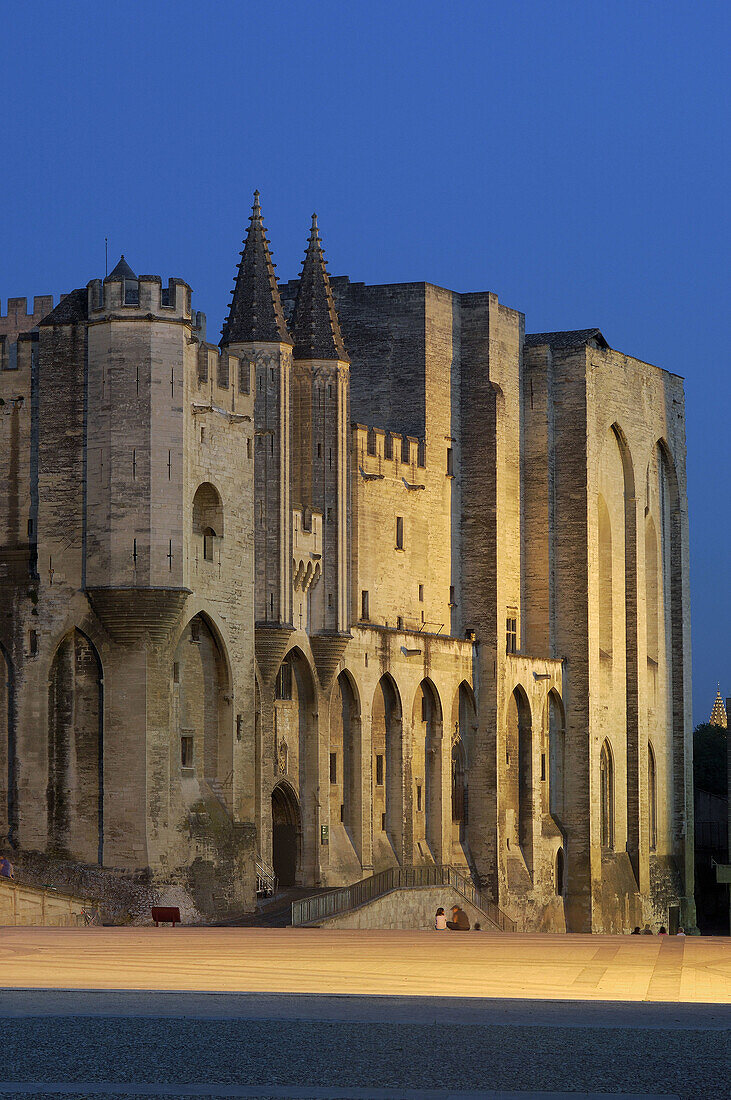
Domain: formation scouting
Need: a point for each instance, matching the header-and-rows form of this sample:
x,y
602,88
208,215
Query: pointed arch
x,y
8,762
606,581
203,721
345,739
675,576
556,754
286,834
651,797
606,795
464,721
428,769
519,761
75,788
387,749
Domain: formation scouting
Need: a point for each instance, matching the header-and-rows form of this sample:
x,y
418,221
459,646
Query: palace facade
x,y
379,580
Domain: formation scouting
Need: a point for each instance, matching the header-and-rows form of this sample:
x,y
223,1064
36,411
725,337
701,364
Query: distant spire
x,y
256,308
718,713
315,324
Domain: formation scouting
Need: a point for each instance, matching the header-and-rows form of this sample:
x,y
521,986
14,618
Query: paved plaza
x,y
304,1013
305,960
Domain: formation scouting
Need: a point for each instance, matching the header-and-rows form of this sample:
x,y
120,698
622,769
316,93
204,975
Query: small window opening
x,y
424,708
271,604
208,538
134,464
421,593
33,643
421,453
543,767
364,605
511,635
283,688
186,751
383,823
342,812
134,552
450,462
319,450
399,622
333,767
388,446
379,770
195,630
329,515
329,599
418,798
248,446
371,444
30,527
271,443
330,457
203,434
399,532
176,672
451,595
239,727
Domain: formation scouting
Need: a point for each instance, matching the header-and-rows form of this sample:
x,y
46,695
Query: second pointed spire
x,y
315,323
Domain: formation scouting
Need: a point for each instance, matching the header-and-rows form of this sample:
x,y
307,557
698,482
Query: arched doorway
x,y
286,834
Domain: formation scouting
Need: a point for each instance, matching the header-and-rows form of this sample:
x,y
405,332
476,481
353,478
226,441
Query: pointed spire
x,y
256,308
315,324
718,714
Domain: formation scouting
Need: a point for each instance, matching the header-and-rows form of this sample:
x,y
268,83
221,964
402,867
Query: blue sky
x,y
572,157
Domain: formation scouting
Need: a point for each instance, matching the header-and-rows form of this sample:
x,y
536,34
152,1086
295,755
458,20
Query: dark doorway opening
x,y
285,834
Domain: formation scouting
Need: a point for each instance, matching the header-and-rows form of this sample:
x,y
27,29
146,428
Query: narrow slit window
x,y
379,770
450,462
399,532
333,767
365,604
186,751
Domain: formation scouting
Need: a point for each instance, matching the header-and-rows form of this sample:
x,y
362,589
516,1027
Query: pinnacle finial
x,y
315,325
256,309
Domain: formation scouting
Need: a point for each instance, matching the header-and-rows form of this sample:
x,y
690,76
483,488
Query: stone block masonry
x,y
381,580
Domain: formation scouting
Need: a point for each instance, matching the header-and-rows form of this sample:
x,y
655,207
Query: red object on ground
x,y
161,914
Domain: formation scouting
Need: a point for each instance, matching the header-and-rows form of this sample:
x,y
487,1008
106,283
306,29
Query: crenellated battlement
x,y
223,371
140,297
18,319
376,447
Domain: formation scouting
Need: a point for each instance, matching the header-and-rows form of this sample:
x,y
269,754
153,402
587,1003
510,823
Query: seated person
x,y
460,921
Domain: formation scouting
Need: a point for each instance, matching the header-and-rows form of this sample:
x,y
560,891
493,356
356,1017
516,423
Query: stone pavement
x,y
305,960
389,1016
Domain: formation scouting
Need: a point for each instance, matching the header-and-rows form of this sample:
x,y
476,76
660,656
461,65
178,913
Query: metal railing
x,y
266,880
322,906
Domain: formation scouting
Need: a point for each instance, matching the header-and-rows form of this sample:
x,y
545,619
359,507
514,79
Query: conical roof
x,y
315,324
121,271
256,308
718,713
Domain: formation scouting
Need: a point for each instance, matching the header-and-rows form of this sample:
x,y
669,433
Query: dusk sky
x,y
572,157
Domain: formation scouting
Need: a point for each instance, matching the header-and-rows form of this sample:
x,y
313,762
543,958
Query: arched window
x,y
207,517
559,871
606,787
605,582
208,536
651,798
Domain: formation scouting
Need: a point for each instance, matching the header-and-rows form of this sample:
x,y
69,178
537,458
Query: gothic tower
x,y
320,420
256,331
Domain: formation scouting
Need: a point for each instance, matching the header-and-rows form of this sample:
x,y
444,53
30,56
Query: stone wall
x,y
412,908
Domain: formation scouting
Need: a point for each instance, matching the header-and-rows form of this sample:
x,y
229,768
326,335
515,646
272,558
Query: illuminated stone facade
x,y
382,580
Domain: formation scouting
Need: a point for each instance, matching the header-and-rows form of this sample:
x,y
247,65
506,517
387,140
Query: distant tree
x,y
709,759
